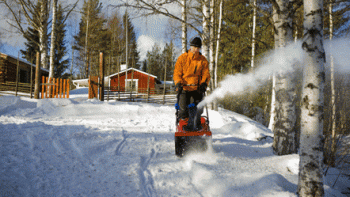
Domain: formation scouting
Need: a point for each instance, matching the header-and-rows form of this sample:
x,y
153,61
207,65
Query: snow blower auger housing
x,y
191,140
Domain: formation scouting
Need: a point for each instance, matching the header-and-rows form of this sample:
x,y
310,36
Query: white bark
x,y
217,47
333,106
184,26
211,44
86,41
206,29
53,38
273,104
284,121
311,145
43,33
253,34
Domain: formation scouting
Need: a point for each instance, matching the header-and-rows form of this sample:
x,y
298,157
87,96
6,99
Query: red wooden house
x,y
26,70
133,78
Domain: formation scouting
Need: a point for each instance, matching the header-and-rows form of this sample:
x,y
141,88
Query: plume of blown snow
x,y
283,60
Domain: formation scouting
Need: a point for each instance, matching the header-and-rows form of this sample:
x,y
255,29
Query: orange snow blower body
x,y
192,140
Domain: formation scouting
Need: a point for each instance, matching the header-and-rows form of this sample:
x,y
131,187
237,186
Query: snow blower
x,y
191,134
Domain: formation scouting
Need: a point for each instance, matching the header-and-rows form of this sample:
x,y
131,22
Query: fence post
x,y
50,87
102,81
31,77
60,88
47,88
148,88
68,87
64,88
42,86
37,77
57,87
17,74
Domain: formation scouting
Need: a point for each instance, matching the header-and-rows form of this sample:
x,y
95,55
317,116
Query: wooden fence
x,y
22,89
142,95
55,88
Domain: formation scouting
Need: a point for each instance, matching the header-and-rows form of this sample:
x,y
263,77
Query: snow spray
x,y
280,61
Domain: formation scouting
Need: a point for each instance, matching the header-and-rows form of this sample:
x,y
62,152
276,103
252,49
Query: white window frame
x,y
136,84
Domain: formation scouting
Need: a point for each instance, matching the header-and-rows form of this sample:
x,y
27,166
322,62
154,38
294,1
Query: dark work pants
x,y
186,98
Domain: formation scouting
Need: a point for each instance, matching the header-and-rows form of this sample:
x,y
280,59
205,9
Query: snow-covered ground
x,y
81,147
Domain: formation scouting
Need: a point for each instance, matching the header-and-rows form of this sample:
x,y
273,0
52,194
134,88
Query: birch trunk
x,y
206,30
273,104
211,52
218,46
211,45
87,59
53,38
184,26
284,122
333,120
311,142
43,33
253,34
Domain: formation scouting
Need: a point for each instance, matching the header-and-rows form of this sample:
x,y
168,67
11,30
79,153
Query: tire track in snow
x,y
145,175
120,146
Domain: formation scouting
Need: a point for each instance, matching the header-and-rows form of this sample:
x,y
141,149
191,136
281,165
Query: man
x,y
191,77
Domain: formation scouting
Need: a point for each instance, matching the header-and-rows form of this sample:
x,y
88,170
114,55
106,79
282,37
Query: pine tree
x,y
154,61
32,39
133,54
168,60
31,46
60,63
91,36
116,41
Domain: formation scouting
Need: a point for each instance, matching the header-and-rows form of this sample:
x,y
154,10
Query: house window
x,y
132,85
23,76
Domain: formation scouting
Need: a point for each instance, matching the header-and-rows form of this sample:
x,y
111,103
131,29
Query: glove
x,y
203,87
177,106
178,87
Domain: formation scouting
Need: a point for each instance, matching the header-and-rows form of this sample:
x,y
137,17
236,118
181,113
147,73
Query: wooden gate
x,y
55,88
93,87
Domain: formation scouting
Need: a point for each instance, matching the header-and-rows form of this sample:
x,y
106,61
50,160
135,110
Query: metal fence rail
x,y
152,97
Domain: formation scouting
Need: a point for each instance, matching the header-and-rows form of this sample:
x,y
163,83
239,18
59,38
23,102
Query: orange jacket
x,y
191,69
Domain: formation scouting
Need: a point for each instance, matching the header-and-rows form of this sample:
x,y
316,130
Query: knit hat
x,y
196,42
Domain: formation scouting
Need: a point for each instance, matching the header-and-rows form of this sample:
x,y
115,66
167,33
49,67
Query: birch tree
x,y
184,26
38,20
44,16
253,34
218,46
53,38
206,30
311,142
284,122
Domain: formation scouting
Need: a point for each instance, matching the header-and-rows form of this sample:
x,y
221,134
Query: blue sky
x,y
149,30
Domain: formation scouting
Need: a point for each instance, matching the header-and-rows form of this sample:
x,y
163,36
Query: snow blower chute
x,y
192,135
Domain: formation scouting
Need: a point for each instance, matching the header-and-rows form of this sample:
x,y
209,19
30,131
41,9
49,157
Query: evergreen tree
x,y
61,50
340,15
168,60
154,62
32,37
235,44
133,54
91,38
116,41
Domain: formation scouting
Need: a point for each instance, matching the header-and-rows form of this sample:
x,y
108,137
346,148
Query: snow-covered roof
x,y
24,61
123,71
